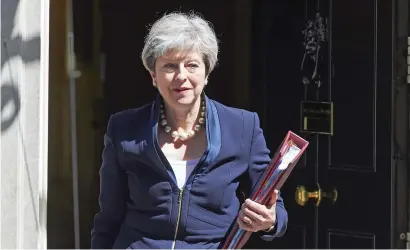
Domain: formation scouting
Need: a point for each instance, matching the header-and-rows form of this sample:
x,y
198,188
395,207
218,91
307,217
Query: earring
x,y
154,84
206,82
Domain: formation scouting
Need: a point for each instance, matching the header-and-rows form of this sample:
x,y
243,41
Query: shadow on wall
x,y
16,51
13,46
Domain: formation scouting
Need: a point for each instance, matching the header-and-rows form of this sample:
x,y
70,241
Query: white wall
x,y
24,121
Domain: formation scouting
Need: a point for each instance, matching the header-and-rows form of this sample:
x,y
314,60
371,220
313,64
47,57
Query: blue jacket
x,y
141,205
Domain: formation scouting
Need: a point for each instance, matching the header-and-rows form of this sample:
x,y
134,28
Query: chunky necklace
x,y
183,135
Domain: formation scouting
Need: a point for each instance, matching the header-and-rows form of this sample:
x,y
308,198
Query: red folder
x,y
274,176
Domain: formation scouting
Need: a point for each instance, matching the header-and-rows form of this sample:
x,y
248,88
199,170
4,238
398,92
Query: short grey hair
x,y
183,32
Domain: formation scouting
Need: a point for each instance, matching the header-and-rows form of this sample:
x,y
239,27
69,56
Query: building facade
x,y
24,123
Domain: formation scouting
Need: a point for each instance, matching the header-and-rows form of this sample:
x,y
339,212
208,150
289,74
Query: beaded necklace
x,y
183,135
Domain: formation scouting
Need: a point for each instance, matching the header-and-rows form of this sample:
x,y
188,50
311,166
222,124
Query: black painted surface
x,y
356,75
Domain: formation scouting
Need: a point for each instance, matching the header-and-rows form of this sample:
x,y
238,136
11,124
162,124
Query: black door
x,y
352,165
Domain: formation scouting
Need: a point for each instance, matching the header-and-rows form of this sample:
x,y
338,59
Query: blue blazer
x,y
141,205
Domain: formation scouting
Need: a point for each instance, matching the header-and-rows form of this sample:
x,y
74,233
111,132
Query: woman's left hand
x,y
255,217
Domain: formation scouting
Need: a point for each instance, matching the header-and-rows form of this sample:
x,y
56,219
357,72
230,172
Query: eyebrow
x,y
178,60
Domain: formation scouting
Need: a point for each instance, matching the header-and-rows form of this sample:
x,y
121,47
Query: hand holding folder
x,y
274,176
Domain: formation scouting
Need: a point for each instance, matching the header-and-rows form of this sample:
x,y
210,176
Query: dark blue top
x,y
141,204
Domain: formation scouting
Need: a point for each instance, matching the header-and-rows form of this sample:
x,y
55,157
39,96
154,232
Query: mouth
x,y
181,90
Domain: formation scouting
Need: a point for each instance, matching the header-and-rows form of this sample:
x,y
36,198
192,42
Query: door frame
x,y
401,124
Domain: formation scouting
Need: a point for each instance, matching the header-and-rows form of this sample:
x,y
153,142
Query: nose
x,y
181,74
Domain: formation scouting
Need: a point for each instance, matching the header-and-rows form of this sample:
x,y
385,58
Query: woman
x,y
171,169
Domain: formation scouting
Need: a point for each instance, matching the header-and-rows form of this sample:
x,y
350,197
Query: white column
x,y
24,123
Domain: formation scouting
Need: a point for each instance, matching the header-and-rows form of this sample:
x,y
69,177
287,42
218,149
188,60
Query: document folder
x,y
274,176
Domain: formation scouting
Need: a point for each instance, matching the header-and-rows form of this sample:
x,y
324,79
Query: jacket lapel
x,y
213,132
152,149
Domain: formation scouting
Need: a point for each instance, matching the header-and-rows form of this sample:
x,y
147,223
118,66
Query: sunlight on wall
x,y
23,95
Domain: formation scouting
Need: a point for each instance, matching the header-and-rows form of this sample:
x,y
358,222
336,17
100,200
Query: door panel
x,y
277,93
353,84
354,164
349,240
358,156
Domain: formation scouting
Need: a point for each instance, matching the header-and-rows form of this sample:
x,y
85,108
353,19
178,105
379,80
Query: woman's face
x,y
180,77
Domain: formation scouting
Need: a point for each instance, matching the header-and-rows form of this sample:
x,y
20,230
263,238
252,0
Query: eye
x,y
193,65
169,66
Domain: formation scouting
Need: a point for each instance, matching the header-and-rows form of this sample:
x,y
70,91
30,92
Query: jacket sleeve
x,y
259,159
112,198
